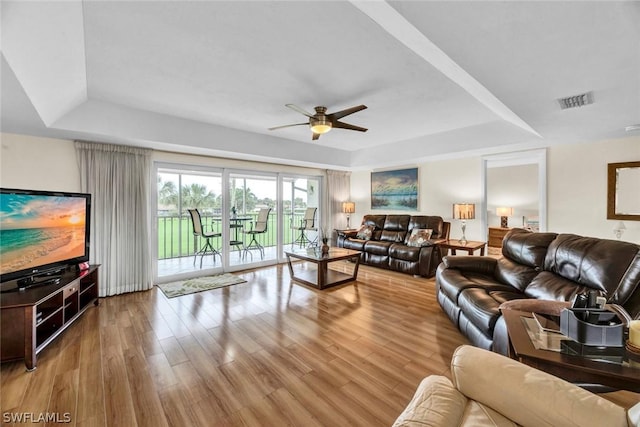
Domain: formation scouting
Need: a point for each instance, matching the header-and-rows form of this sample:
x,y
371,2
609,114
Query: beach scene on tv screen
x,y
36,230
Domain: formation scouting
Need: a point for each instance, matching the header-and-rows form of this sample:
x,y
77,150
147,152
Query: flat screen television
x,y
42,233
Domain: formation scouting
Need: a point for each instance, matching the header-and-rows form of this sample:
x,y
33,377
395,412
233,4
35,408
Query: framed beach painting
x,y
395,190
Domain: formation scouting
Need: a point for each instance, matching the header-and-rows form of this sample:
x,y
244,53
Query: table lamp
x,y
504,214
463,212
348,208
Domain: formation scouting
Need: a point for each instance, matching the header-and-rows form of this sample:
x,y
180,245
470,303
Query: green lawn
x,y
175,235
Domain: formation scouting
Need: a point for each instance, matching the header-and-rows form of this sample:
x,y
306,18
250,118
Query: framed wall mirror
x,y
623,191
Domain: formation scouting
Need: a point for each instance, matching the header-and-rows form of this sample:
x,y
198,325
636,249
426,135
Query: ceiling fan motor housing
x,y
320,123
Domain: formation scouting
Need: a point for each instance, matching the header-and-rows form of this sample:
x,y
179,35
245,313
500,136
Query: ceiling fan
x,y
321,122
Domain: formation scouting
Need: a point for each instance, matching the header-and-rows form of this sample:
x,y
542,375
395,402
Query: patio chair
x,y
198,231
259,226
308,223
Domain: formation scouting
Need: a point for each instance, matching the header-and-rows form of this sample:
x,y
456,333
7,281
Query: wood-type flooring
x,y
262,353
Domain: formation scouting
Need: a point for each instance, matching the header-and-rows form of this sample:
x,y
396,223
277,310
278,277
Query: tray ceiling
x,y
439,78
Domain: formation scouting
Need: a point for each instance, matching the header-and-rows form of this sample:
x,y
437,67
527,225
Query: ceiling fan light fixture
x,y
321,122
320,126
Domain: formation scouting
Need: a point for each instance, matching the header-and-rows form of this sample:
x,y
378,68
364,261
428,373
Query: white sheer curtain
x,y
338,191
117,177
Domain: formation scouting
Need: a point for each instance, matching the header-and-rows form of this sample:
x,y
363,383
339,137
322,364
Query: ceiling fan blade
x,y
288,126
315,136
341,125
298,109
342,113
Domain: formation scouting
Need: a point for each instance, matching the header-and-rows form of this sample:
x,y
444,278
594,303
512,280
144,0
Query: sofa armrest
x,y
476,264
347,233
435,403
526,395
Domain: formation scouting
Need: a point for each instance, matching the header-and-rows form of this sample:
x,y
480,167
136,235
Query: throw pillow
x,y
365,232
420,237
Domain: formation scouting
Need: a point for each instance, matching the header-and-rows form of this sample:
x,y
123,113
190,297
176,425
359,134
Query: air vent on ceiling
x,y
576,100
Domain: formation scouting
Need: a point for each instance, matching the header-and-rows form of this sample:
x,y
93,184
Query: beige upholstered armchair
x,y
488,389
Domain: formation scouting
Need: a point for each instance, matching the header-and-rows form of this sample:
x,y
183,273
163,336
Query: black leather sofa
x,y
388,245
544,266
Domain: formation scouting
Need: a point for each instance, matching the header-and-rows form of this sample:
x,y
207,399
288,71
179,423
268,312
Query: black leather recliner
x,y
544,266
388,248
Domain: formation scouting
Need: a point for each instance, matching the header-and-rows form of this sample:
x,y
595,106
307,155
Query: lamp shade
x,y
464,211
348,207
502,211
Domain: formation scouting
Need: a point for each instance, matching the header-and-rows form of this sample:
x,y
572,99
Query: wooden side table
x,y
584,371
456,245
345,230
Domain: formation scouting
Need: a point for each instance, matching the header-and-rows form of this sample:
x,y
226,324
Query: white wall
x,y
442,183
577,190
576,181
32,163
36,163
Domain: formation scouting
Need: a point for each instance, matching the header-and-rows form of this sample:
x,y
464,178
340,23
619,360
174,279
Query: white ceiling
x,y
209,77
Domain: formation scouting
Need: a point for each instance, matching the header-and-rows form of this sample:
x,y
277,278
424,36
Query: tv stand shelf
x,y
32,318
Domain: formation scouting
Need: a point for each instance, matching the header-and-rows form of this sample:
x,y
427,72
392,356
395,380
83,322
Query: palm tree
x,y
246,196
197,196
167,192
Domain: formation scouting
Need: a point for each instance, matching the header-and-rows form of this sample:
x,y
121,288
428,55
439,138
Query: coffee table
x,y
585,371
322,277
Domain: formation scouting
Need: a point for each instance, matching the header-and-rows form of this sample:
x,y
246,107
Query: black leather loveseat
x,y
387,244
544,266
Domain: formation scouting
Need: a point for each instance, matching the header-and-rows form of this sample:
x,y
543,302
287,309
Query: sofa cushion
x,y
610,266
395,228
377,221
526,247
377,247
481,306
392,236
354,244
550,286
452,281
404,252
434,223
517,275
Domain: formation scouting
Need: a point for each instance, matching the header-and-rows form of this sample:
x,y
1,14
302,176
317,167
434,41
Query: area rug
x,y
199,284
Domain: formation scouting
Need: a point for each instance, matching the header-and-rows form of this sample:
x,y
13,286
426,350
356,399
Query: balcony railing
x,y
176,239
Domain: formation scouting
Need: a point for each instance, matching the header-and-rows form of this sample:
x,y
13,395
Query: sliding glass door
x,y
183,246
252,213
210,220
301,211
